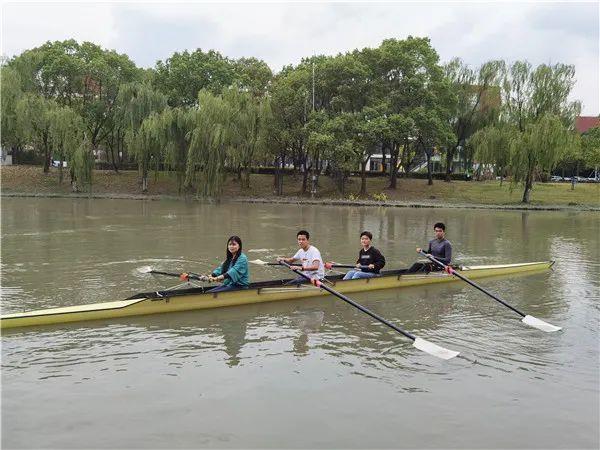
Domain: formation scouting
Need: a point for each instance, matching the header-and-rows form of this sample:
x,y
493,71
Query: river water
x,y
313,373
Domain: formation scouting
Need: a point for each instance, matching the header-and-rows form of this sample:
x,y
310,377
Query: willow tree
x,y
149,137
492,146
66,134
478,99
34,116
246,129
536,100
82,165
138,101
166,136
208,145
538,148
11,93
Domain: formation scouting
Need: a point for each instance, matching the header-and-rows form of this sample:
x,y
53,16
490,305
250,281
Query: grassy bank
x,y
31,180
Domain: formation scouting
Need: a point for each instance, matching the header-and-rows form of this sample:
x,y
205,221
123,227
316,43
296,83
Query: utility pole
x,y
313,189
313,83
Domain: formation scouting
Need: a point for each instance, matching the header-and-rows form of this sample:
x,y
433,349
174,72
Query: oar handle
x,y
317,283
451,271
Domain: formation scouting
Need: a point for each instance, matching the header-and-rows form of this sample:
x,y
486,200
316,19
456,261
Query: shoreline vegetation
x,y
395,109
30,181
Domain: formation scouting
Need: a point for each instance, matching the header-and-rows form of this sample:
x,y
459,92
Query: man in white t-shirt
x,y
310,258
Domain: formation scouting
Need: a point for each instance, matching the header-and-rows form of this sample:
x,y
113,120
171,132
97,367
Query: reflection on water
x,y
257,374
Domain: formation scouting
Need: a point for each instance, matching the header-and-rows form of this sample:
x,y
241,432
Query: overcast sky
x,y
282,33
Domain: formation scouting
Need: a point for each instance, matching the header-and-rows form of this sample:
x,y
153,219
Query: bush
x,y
381,197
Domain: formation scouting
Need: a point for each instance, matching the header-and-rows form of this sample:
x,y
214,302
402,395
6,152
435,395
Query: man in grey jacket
x,y
439,247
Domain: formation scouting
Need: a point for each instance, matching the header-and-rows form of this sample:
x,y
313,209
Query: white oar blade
x,y
259,261
434,349
540,324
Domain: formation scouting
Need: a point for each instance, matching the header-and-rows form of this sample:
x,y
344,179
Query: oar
x,y
329,265
527,319
182,276
260,262
421,344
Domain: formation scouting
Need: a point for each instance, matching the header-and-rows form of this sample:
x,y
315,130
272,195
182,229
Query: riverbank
x,y
30,181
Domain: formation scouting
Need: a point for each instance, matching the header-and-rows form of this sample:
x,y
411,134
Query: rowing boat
x,y
267,291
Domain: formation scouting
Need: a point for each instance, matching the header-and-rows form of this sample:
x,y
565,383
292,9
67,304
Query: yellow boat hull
x,y
176,303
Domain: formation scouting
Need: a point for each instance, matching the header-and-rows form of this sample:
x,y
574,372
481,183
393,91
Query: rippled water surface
x,y
311,373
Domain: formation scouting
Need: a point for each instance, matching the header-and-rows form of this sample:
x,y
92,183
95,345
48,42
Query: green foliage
x,y
137,101
174,126
66,135
539,115
82,163
590,145
538,149
530,94
34,117
252,75
11,93
477,102
327,111
208,144
247,130
84,77
492,145
182,76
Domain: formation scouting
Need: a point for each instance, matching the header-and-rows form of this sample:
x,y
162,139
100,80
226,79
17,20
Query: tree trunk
x,y
304,178
528,187
449,157
246,178
73,180
575,176
278,180
144,180
60,171
404,162
363,178
429,172
342,183
47,155
15,154
394,165
112,156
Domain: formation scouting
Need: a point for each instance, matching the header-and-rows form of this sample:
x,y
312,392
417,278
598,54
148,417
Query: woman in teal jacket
x,y
233,273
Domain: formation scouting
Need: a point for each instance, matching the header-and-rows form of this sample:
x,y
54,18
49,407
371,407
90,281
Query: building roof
x,y
584,123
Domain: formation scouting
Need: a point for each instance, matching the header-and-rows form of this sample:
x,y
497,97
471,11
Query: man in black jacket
x,y
370,260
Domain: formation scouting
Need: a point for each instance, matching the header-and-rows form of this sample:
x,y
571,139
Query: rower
x,y
309,257
439,247
370,260
233,272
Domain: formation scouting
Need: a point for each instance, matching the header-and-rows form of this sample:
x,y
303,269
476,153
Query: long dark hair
x,y
229,259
